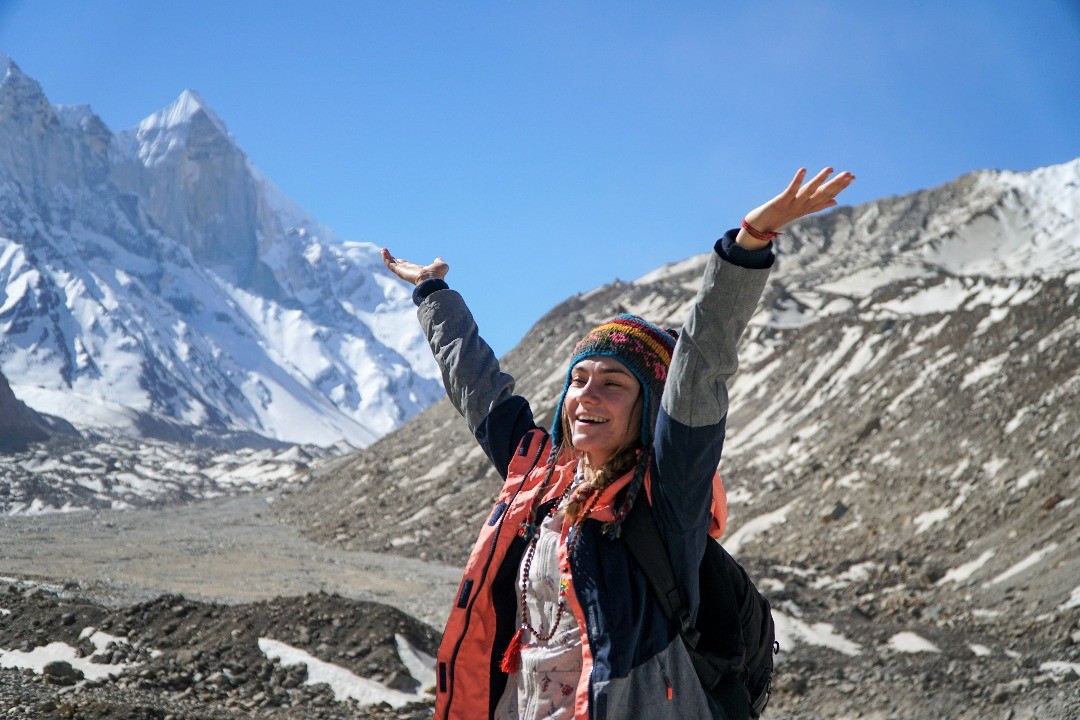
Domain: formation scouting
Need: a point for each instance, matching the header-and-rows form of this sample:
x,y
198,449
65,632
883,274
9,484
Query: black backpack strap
x,y
645,544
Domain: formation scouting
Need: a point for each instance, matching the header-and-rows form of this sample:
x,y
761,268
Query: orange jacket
x,y
469,680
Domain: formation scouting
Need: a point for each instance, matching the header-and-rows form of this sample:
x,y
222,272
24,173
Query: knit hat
x,y
642,347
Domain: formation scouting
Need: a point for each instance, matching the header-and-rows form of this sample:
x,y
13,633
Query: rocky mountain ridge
x,y
20,426
154,282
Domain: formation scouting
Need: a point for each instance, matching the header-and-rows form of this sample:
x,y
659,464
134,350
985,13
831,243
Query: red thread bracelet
x,y
759,234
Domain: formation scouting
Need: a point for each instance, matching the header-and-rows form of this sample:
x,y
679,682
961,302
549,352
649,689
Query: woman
x,y
553,618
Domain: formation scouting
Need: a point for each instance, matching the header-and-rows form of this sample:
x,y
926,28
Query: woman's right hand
x,y
797,200
413,273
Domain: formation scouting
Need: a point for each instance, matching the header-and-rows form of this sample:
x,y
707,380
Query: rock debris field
x,y
315,656
209,610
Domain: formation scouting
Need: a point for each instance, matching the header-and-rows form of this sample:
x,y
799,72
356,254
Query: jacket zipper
x,y
585,634
667,684
452,661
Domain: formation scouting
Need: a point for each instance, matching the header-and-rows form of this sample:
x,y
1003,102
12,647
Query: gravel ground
x,y
225,550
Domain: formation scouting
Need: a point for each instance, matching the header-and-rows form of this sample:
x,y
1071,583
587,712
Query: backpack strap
x,y
645,544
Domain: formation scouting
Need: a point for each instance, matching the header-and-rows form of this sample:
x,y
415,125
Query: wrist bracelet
x,y
759,234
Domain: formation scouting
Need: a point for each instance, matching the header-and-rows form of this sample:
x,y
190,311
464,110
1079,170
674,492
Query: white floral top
x,y
544,686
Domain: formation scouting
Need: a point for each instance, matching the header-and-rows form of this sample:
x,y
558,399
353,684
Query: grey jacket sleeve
x,y
705,355
689,434
474,382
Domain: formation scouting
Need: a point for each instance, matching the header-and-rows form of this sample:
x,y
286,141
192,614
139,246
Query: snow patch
x,y
994,465
980,650
986,369
740,495
854,574
965,571
923,521
852,480
1073,601
985,614
909,642
1025,480
1060,669
757,526
771,585
791,629
39,657
419,664
944,297
1031,560
343,683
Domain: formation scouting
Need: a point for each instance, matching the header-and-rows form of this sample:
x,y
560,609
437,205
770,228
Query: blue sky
x,y
547,148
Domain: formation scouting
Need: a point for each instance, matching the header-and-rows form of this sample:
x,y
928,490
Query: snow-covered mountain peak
x,y
1056,189
13,80
169,129
1062,174
76,116
181,112
164,286
987,238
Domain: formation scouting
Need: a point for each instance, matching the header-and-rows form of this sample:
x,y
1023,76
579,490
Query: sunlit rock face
x,y
154,281
196,186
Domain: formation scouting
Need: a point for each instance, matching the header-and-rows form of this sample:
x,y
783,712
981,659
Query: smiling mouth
x,y
591,420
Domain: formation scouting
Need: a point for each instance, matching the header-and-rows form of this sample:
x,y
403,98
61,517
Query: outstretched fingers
x,y
816,182
798,200
792,189
825,197
401,267
835,186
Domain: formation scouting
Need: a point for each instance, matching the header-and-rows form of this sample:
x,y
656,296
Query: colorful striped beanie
x,y
639,345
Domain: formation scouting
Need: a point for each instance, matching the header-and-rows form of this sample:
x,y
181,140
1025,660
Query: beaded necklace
x,y
511,660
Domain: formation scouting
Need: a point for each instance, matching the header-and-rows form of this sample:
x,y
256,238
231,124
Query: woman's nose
x,y
588,390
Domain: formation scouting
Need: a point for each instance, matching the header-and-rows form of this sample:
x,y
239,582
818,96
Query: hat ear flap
x,y
557,426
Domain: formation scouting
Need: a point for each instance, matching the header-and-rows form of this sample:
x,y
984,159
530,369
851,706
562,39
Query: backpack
x,y
733,640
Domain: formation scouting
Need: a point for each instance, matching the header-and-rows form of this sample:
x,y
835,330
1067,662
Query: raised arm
x,y
696,391
690,428
474,382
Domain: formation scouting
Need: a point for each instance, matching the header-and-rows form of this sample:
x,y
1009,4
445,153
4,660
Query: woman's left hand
x,y
796,201
410,272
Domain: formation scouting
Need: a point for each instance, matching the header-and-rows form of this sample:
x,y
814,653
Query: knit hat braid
x,y
645,350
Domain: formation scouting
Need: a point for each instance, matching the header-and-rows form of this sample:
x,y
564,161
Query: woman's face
x,y
601,408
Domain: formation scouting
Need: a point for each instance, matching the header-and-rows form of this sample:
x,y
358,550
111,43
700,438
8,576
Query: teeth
x,y
591,418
